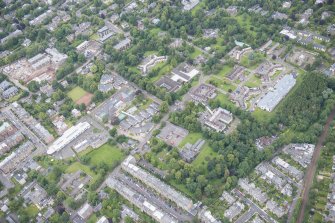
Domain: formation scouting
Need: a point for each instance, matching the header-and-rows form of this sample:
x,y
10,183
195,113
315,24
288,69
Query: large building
x,y
68,136
156,184
273,97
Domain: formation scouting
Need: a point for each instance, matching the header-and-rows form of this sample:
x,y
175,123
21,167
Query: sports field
x,y
80,96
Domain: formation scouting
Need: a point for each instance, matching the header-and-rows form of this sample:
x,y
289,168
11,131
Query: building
x,y
189,151
158,185
4,85
206,216
68,136
123,44
150,62
286,167
183,73
189,4
203,93
85,211
218,119
141,202
11,162
10,92
275,95
169,84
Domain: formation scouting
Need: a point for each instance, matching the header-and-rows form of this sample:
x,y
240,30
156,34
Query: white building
x,y
68,136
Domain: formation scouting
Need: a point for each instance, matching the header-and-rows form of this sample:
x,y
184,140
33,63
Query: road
x,y
249,202
246,216
308,181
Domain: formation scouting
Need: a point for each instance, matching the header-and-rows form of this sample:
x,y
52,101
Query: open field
x,y
201,159
80,96
190,138
76,93
107,154
226,69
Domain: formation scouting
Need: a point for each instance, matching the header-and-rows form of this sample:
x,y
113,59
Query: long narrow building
x,y
159,186
68,136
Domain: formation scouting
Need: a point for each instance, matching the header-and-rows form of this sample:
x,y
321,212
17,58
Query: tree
x,y
113,132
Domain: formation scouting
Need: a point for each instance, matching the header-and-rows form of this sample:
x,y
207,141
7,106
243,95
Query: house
x,y
184,73
150,62
123,44
4,85
218,119
10,92
169,84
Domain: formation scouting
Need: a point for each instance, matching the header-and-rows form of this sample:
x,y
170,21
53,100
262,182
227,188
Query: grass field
x,y
105,154
225,70
76,93
196,53
263,116
223,84
205,153
190,138
78,166
224,99
253,82
32,211
152,52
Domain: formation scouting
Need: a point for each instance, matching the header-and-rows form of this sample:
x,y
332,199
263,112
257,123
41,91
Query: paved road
x,y
312,167
260,211
246,216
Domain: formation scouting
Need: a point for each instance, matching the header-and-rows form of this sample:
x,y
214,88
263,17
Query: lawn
x,y
201,159
263,116
155,31
253,82
190,138
223,84
107,154
76,93
149,53
32,211
163,69
198,7
226,69
196,53
224,99
78,166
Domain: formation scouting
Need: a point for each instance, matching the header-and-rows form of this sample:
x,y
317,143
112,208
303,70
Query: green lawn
x,y
223,84
196,53
190,138
263,116
224,99
76,93
253,81
155,31
201,159
152,52
198,7
32,211
225,70
105,154
78,166
164,69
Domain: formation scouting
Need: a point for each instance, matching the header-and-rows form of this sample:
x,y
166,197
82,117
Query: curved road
x,y
312,167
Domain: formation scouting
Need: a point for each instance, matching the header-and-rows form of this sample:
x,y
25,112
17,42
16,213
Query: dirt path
x,y
312,168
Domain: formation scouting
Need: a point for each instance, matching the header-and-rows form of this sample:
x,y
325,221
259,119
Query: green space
x,y
245,21
192,137
155,31
107,154
78,166
76,93
149,53
32,211
223,84
203,157
226,69
263,116
201,5
253,82
196,53
224,99
164,68
252,60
